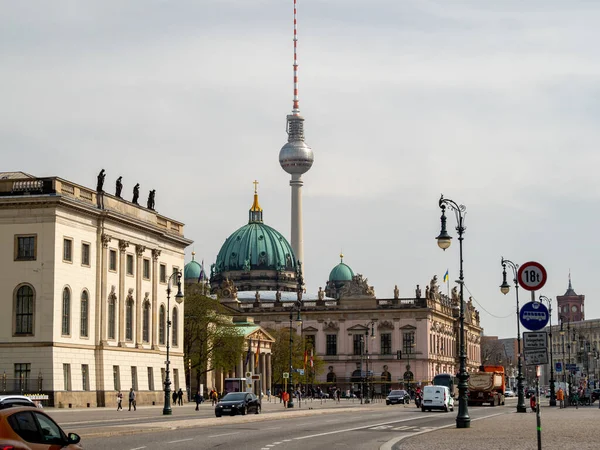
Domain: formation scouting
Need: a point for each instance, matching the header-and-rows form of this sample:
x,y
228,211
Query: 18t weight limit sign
x,y
532,276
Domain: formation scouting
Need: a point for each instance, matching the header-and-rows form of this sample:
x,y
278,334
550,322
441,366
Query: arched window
x,y
84,314
66,312
129,320
161,325
24,311
112,306
146,323
174,318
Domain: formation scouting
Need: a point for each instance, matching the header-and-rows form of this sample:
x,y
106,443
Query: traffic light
x,y
399,354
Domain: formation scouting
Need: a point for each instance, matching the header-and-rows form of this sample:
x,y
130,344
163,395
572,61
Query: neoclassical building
x,y
410,338
84,290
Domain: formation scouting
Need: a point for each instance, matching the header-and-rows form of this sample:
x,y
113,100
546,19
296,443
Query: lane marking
x,y
219,435
364,427
180,440
138,448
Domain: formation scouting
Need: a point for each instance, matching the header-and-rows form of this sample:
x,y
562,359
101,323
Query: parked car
x,y
437,397
9,401
509,393
397,396
238,403
32,428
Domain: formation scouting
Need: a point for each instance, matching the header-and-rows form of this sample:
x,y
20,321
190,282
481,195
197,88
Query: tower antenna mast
x,y
296,108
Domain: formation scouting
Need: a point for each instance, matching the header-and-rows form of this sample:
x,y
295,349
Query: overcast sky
x,y
493,104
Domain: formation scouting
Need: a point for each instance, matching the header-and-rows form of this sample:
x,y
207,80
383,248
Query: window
x,y
357,344
163,273
174,274
129,264
310,341
24,311
408,342
22,373
85,254
331,345
150,379
161,325
129,320
84,314
146,323
85,377
386,343
116,378
66,312
146,269
134,380
67,377
25,248
175,326
176,379
50,431
112,260
68,250
111,317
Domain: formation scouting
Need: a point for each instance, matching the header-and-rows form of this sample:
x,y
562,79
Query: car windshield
x,y
398,393
234,397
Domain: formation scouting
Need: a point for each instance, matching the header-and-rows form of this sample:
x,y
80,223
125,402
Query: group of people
x,y
131,400
178,397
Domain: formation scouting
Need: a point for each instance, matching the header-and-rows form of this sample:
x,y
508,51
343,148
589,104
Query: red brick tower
x,y
570,305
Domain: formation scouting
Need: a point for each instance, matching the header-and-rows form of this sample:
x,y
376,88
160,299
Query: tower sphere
x,y
296,157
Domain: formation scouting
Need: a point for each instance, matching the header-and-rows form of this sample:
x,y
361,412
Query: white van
x,y
437,397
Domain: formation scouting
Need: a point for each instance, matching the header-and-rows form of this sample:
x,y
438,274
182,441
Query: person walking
x,y
132,399
532,403
198,399
560,396
119,401
180,397
174,397
268,395
285,396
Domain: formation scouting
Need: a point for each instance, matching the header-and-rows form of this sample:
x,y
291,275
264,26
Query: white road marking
x,y
219,435
364,427
180,440
138,448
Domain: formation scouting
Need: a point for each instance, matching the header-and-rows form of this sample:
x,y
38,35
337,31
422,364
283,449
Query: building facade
x,y
84,282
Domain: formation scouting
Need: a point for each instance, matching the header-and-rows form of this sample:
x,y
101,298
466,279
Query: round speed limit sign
x,y
532,276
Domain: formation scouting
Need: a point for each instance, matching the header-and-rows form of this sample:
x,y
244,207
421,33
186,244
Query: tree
x,y
211,340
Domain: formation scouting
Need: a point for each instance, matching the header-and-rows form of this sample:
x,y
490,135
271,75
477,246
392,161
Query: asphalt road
x,y
352,426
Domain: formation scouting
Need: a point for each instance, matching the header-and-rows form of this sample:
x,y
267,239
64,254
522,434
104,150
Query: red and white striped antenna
x,y
296,108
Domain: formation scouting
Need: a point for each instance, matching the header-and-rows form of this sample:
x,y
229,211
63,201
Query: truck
x,y
486,386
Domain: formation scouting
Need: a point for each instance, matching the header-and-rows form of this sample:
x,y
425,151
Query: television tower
x,y
295,157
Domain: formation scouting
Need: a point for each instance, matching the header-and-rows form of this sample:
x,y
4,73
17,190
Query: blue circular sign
x,y
534,316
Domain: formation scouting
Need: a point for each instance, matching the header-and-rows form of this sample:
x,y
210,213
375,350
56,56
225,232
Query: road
x,y
349,425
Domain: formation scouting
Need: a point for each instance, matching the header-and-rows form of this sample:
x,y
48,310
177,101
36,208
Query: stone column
x,y
263,372
155,276
122,269
102,301
139,253
269,371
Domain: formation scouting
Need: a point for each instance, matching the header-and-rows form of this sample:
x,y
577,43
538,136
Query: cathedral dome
x,y
255,257
341,272
193,272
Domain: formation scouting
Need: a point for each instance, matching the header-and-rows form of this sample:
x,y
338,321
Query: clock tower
x,y
570,305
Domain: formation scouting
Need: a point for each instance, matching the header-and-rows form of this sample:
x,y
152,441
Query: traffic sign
x,y
558,367
536,339
286,374
534,316
536,357
300,371
532,276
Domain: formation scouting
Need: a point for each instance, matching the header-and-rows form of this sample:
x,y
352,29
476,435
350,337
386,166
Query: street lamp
x,y
179,298
564,368
552,391
505,288
296,305
444,240
366,346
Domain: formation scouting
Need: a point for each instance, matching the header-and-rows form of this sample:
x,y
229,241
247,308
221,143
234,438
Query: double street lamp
x,y
365,348
552,387
444,240
179,298
505,288
296,305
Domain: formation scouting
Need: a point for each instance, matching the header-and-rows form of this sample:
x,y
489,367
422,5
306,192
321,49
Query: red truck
x,y
486,386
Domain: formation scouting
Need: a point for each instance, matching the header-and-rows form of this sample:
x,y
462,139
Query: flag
x,y
257,354
248,353
312,362
446,276
305,358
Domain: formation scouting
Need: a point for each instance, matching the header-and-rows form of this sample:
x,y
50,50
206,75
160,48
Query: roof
x,y
341,272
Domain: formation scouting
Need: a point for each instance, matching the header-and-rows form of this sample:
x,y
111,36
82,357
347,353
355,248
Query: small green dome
x,y
341,272
193,270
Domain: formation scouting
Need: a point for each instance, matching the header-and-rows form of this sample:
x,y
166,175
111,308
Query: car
x,y
509,393
32,428
9,401
529,392
595,395
397,397
238,403
437,397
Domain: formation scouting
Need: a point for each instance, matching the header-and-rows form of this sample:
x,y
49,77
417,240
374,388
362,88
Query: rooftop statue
x,y
136,194
321,293
396,292
118,187
100,185
418,292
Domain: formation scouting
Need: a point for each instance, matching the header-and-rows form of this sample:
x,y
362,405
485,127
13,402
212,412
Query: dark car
x,y
238,403
595,395
396,397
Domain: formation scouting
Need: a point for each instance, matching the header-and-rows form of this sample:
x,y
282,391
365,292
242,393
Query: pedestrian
x,y
132,399
285,396
560,396
180,397
532,403
174,397
268,394
198,399
338,394
119,401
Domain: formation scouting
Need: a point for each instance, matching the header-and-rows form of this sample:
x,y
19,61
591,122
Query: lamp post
x,y
444,240
564,367
552,387
179,298
569,350
297,305
505,288
372,324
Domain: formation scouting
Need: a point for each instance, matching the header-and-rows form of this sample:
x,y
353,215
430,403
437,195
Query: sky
x,y
493,104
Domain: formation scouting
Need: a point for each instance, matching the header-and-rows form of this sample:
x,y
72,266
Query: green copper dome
x,y
192,272
341,272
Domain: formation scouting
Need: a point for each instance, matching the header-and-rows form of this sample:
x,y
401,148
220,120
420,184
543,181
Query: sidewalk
x,y
567,428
